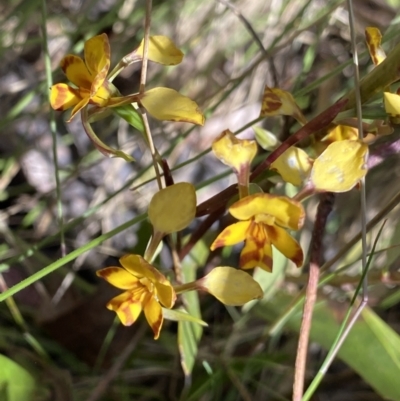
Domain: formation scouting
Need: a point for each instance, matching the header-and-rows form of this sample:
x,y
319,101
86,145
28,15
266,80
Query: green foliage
x,y
16,383
58,228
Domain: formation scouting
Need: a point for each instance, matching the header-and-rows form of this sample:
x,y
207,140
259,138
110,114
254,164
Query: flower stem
x,y
186,287
153,245
147,23
324,208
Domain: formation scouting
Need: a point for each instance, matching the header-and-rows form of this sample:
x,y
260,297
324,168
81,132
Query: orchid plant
x,y
335,161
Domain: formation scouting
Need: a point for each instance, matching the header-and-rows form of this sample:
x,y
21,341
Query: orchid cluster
x,y
264,219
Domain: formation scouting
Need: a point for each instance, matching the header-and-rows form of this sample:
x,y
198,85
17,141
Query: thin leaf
x,y
189,334
180,315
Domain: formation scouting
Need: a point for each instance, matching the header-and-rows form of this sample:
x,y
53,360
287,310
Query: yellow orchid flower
x,y
146,288
92,85
90,78
263,219
237,154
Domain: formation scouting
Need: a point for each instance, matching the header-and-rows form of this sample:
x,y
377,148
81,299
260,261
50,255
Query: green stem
x,y
53,127
153,245
378,79
68,258
192,286
101,146
243,191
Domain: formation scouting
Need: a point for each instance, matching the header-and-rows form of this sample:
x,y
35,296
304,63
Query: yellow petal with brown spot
x,y
154,315
277,102
257,250
76,71
231,235
127,307
286,244
374,38
62,97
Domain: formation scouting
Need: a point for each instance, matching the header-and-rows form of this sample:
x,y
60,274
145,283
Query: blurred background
x,y
58,340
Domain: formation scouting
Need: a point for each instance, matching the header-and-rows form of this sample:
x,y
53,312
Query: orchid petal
x,y
234,152
286,244
293,165
340,167
136,265
341,133
102,96
118,277
165,294
173,208
287,212
161,50
231,235
278,102
84,102
76,71
266,139
168,104
257,252
62,97
392,104
230,286
154,316
127,307
374,38
97,58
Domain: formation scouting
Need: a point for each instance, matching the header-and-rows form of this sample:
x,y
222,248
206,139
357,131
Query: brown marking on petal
x,y
62,94
298,258
257,258
156,326
271,102
258,234
66,62
98,82
221,239
250,259
272,234
372,48
368,37
217,244
267,262
251,254
104,273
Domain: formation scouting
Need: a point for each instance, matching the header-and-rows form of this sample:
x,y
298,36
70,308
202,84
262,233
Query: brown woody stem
x,y
324,208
